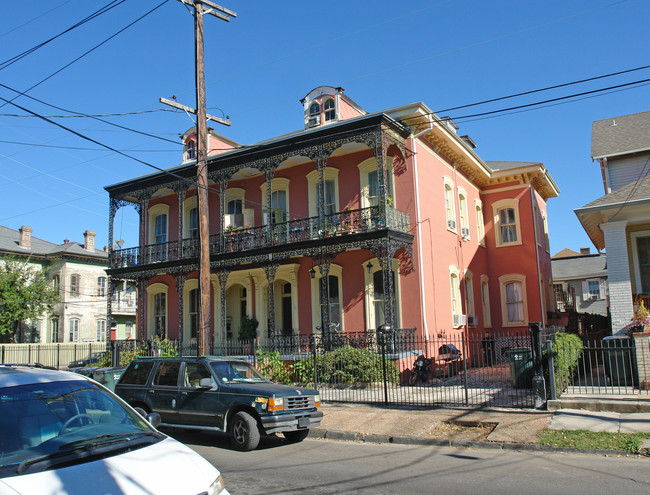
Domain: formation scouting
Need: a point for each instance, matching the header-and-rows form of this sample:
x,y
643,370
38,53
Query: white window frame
x,y
327,110
369,292
454,293
497,207
366,167
450,204
337,271
190,285
155,211
469,294
73,329
635,257
188,205
504,280
101,286
277,184
75,288
480,222
101,330
152,290
462,207
329,173
485,301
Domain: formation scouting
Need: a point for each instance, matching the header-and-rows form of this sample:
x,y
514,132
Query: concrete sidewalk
x,y
513,429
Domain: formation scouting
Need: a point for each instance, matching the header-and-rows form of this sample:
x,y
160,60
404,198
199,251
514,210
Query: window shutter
x,y
227,221
585,290
603,288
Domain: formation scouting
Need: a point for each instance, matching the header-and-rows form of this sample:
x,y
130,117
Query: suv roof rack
x,y
30,365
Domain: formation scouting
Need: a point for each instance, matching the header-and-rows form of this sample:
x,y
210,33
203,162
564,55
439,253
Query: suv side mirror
x,y
206,383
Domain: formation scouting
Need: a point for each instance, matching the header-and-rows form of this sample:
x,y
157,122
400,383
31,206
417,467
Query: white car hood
x,y
167,467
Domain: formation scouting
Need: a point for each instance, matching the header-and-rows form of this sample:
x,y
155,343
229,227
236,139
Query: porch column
x,y
223,280
142,303
180,194
324,264
270,271
618,275
180,292
385,257
321,163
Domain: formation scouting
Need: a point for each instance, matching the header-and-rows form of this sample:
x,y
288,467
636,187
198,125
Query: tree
x,y
25,294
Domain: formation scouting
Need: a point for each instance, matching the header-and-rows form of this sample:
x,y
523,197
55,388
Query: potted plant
x,y
248,328
641,318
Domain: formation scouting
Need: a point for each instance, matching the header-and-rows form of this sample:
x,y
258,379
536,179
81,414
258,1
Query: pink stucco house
x,y
355,220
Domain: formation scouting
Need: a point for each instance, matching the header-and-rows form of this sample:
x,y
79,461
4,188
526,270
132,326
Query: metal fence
x,y
611,366
57,355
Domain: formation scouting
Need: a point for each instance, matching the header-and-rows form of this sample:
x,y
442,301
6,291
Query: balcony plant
x,y
641,318
248,328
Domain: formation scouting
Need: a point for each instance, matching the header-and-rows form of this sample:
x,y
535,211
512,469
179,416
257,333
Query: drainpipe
x,y
539,272
419,229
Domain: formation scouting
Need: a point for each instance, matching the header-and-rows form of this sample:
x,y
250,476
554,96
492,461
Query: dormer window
x,y
190,150
330,110
314,114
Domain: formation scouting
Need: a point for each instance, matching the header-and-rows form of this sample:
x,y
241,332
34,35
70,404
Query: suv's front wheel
x,y
244,433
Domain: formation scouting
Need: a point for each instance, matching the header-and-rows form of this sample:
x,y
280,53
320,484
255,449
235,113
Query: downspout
x,y
539,272
419,229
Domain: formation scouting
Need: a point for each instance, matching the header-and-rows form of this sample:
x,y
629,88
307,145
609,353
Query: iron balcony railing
x,y
246,238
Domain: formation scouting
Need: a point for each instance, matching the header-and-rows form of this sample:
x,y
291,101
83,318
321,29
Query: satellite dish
x,y
119,243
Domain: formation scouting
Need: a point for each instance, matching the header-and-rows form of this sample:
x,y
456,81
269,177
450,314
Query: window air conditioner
x,y
465,233
314,121
459,320
451,224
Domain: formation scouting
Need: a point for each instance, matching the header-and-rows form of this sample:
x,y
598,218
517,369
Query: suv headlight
x,y
216,487
276,404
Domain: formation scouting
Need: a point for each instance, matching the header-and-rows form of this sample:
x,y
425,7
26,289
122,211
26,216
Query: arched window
x,y
506,219
464,221
190,150
314,109
480,222
330,110
450,208
513,299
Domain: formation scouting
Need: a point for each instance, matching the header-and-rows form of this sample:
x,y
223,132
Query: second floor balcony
x,y
241,239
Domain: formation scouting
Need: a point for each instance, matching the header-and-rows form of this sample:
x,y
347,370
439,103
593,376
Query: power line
x,y
37,145
97,13
83,115
34,18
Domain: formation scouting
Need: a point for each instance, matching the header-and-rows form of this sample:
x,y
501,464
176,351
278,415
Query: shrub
x,y
271,365
350,365
567,350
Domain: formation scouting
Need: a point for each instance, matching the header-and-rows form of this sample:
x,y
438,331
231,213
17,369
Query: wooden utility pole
x,y
202,165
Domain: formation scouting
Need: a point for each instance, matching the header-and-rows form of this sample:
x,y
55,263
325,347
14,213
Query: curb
x,y
318,433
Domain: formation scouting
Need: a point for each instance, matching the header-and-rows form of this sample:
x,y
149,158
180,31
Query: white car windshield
x,y
44,424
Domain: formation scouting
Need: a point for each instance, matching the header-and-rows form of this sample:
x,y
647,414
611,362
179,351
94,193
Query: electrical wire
x,y
111,5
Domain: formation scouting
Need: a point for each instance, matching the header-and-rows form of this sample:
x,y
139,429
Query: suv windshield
x,y
237,371
66,421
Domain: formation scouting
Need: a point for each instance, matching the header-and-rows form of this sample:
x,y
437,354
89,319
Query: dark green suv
x,y
219,394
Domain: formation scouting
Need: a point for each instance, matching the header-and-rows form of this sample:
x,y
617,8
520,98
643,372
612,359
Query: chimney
x,y
25,237
585,250
66,241
89,240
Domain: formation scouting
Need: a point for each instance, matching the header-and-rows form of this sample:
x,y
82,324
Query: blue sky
x,y
445,53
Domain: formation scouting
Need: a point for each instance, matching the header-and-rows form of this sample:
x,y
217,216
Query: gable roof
x,y
10,239
579,267
620,135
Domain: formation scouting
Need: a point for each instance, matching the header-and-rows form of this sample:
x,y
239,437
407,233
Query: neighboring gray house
x,y
79,272
619,221
580,281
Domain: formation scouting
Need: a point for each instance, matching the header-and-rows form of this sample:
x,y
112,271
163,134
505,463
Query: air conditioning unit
x,y
465,233
451,224
459,320
314,121
593,298
472,321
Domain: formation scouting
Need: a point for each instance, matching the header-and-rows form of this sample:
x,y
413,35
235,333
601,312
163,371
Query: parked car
x,y
92,359
62,432
221,395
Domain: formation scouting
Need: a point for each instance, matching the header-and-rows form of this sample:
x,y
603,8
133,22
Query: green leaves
x,y
25,294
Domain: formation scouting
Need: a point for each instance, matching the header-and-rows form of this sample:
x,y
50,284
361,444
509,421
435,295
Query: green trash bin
x,y
107,376
521,367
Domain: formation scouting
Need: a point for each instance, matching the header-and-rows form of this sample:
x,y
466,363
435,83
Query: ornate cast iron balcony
x,y
246,238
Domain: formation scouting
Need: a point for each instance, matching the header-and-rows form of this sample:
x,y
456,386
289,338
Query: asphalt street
x,y
325,467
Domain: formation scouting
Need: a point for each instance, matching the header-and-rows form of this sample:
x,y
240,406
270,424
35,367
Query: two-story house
x,y
619,221
580,281
356,220
78,271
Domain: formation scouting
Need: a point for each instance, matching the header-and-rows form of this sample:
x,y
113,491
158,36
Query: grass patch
x,y
583,439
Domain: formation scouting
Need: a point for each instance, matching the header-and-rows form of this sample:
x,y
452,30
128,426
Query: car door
x,y
198,405
163,392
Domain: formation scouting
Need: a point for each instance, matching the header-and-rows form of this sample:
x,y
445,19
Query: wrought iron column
x,y
324,263
385,256
268,178
110,290
223,186
180,293
223,280
270,270
321,163
142,301
180,194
